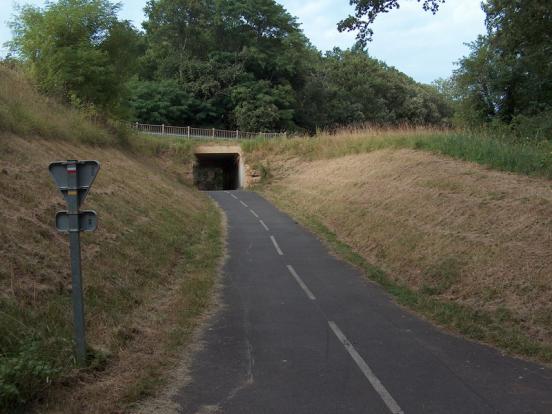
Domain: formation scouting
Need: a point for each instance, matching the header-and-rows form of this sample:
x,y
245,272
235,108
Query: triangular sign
x,y
86,172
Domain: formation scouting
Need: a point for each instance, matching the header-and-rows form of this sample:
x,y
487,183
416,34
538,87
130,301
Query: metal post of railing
x,y
188,132
163,129
237,133
213,133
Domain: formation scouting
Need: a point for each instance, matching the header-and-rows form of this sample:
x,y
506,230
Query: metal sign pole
x,y
74,179
78,301
75,251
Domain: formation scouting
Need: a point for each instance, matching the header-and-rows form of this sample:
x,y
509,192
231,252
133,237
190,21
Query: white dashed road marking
x,y
253,212
233,196
264,225
301,283
276,246
245,205
374,381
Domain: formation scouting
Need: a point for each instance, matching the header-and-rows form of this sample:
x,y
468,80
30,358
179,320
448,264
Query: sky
x,y
422,45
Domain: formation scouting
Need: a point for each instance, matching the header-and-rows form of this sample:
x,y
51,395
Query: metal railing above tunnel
x,y
202,133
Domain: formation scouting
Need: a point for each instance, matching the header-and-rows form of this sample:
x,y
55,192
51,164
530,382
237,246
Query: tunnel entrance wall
x,y
218,171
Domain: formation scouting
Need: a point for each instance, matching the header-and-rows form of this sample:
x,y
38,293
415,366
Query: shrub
x,y
24,375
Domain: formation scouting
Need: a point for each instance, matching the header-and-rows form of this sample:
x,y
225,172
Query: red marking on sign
x,y
71,169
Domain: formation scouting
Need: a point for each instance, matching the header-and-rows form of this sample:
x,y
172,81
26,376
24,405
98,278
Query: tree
x,y
476,81
506,77
178,30
520,34
78,50
163,102
263,107
350,87
235,56
246,64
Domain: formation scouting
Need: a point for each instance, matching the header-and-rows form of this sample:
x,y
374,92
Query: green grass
x,y
175,248
24,112
165,245
498,152
27,113
156,242
498,328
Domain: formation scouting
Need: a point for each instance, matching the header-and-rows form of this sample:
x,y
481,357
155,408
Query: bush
x,y
24,375
537,127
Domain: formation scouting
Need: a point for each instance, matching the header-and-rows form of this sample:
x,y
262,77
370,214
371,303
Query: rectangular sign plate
x,y
88,221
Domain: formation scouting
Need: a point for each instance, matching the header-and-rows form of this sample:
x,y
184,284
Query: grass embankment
x,y
466,246
149,270
498,152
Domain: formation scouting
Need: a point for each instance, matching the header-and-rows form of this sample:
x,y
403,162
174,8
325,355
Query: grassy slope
x,y
25,112
501,153
463,245
149,270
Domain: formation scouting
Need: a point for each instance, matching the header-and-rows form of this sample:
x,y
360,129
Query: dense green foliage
x,y
506,81
349,87
246,64
507,78
163,102
78,50
235,63
216,63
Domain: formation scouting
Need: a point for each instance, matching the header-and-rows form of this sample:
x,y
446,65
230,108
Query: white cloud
x,y
133,10
319,21
423,45
416,42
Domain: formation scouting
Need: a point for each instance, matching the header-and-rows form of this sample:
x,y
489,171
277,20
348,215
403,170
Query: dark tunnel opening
x,y
214,172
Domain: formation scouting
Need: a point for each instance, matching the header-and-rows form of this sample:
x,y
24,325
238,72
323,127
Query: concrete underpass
x,y
219,167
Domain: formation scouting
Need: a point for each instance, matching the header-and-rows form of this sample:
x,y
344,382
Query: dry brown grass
x,y
492,148
148,271
29,199
346,141
25,112
454,229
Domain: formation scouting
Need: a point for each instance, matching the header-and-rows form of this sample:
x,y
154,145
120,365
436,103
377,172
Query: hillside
x,y
149,270
466,246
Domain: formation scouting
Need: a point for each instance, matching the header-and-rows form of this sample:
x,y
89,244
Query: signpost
x,y
74,179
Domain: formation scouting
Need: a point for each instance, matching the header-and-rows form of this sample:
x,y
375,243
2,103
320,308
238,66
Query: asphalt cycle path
x,y
301,331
